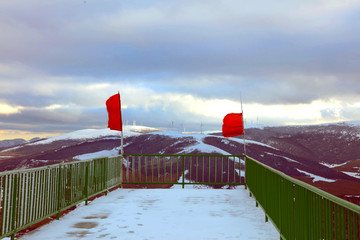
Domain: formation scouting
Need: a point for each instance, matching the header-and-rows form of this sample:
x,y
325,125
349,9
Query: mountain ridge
x,y
300,151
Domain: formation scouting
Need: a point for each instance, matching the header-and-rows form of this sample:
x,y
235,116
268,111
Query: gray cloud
x,y
76,54
55,121
83,40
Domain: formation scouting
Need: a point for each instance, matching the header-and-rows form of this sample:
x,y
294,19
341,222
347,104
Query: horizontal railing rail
x,y
217,170
299,210
31,195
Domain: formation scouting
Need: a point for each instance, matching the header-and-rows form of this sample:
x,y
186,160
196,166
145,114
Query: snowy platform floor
x,y
163,214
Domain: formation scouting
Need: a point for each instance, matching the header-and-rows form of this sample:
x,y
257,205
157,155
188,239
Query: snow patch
x,y
259,143
40,161
316,178
238,160
240,173
225,141
174,134
199,137
205,148
199,145
357,196
333,165
352,174
247,141
104,153
289,159
10,149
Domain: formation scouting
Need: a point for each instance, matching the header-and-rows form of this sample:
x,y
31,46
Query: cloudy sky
x,y
176,63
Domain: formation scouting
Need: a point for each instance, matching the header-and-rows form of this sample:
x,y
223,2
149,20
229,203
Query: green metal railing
x,y
299,210
217,170
31,195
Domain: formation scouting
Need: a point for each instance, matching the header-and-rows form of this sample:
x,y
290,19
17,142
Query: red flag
x,y
113,106
233,125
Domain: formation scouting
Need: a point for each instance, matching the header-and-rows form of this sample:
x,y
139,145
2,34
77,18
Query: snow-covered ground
x,y
163,214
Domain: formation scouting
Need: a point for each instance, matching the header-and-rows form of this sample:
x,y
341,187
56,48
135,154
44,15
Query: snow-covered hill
x,y
11,142
91,143
296,151
88,134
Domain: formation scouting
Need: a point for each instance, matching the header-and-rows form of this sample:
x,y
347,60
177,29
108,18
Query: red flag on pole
x,y
113,106
233,125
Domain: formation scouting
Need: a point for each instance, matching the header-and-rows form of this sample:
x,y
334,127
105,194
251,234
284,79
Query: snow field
x,y
163,214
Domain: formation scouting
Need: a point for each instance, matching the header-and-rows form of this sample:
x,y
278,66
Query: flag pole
x,y
122,130
243,123
122,143
242,111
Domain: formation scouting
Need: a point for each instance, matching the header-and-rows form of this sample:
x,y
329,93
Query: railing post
x,y
59,192
14,207
121,170
87,183
105,175
183,172
245,160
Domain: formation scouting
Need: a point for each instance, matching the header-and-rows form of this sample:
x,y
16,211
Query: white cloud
x,y
312,113
9,109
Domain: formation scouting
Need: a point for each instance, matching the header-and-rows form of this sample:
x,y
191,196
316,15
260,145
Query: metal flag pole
x,y
122,143
242,111
243,123
122,130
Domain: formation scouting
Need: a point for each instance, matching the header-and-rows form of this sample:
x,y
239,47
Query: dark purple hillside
x,y
296,151
335,143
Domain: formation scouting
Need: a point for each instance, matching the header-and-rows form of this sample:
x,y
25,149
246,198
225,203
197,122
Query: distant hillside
x,y
8,143
11,143
333,143
304,152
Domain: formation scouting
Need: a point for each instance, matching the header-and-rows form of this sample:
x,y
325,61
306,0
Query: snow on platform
x,y
163,214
